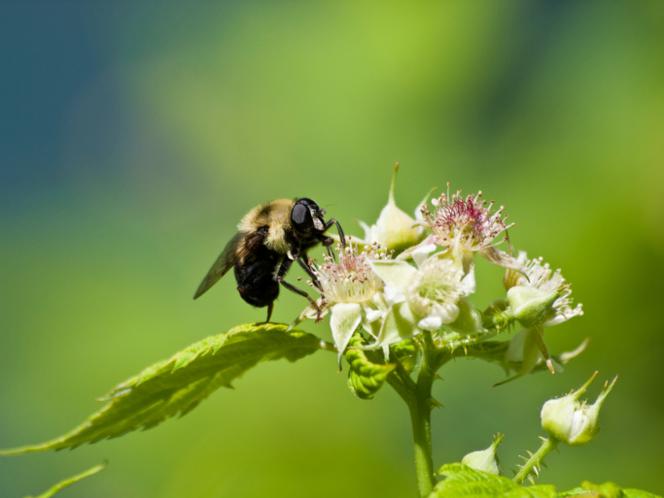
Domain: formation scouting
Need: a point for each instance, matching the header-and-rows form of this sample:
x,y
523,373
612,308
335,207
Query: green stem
x,y
417,396
420,418
533,463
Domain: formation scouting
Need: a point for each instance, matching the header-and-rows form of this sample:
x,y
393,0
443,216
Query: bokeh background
x,y
134,135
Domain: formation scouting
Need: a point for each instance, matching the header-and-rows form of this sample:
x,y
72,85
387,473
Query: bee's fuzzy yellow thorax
x,y
276,216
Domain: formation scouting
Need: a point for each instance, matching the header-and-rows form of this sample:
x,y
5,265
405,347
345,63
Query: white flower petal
x,y
372,314
397,274
468,285
394,295
389,333
422,251
368,232
448,312
397,326
405,317
344,321
431,323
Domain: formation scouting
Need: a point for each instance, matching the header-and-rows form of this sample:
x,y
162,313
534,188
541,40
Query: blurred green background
x,y
135,135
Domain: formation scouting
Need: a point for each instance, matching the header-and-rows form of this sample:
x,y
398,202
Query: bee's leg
x,y
279,277
328,242
340,230
270,307
304,263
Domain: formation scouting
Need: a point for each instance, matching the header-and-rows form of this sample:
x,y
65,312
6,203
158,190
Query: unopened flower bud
x,y
394,230
531,306
570,420
484,460
539,295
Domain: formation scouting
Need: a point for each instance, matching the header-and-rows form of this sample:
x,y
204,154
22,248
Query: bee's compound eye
x,y
300,214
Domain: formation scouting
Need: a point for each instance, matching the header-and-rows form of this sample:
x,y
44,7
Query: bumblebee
x,y
270,238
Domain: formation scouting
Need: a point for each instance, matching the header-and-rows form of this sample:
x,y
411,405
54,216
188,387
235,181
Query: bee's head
x,y
307,218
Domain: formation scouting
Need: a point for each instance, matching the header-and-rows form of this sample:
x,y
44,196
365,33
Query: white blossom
x,y
465,226
350,289
425,295
540,295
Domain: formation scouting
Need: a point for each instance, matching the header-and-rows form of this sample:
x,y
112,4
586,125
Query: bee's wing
x,y
222,264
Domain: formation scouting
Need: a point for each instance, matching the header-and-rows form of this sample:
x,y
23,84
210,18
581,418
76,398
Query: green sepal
x,y
497,316
365,377
496,352
177,385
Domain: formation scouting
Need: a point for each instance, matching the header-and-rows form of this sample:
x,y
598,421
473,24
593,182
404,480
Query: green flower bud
x,y
572,421
485,460
539,295
394,230
531,306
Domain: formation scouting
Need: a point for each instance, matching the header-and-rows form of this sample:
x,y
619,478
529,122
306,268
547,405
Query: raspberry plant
x,y
399,302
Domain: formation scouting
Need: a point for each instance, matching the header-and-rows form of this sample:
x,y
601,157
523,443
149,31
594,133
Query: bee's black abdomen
x,y
255,277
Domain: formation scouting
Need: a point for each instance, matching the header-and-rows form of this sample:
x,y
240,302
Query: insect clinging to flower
x,y
269,239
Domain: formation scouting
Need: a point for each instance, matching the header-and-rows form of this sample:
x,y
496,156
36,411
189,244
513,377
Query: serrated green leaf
x,y
56,488
463,482
177,385
365,377
605,490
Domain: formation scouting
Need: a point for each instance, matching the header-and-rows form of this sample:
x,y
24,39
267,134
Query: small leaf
x,y
56,488
462,481
365,377
177,385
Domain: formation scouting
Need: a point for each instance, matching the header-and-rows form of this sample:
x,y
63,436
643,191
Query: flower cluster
x,y
411,275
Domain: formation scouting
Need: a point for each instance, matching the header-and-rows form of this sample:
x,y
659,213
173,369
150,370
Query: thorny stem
x,y
417,396
532,465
